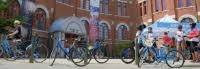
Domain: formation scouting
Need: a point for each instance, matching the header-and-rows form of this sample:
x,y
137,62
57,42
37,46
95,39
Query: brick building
x,y
186,11
117,21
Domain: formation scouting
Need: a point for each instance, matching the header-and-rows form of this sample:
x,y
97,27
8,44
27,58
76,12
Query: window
x,y
157,5
40,19
180,3
15,6
164,5
122,32
103,31
85,4
189,3
104,6
141,12
145,8
122,8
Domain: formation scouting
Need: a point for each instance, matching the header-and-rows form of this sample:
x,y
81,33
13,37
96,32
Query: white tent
x,y
165,24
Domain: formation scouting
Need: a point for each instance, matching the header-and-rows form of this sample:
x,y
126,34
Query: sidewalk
x,y
64,64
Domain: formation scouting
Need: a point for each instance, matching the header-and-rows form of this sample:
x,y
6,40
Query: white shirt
x,y
179,35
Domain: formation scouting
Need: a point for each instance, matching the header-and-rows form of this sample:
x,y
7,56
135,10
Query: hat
x,y
17,22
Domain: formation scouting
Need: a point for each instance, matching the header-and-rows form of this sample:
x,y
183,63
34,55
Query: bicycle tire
x,y
101,50
131,55
83,55
53,56
141,60
9,55
174,52
44,51
1,51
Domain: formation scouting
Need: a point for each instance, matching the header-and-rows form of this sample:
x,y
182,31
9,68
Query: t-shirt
x,y
166,39
179,35
18,35
193,35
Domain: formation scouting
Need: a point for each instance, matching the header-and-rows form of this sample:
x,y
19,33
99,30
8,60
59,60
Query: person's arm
x,y
15,32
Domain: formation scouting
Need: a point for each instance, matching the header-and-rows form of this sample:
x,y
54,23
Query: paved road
x,y
64,64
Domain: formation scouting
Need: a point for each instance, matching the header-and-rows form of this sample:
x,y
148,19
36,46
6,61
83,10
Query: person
x,y
192,41
139,36
166,39
16,34
149,35
179,38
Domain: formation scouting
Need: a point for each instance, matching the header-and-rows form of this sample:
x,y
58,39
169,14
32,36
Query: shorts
x,y
192,45
179,43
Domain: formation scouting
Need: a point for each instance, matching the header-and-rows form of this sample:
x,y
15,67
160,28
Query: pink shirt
x,y
193,35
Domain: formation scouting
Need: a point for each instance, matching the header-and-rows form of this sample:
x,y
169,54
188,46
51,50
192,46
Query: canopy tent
x,y
71,25
66,25
168,24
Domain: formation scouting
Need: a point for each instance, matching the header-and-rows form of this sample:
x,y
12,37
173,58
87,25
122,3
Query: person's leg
x,y
195,51
178,46
189,44
182,46
192,51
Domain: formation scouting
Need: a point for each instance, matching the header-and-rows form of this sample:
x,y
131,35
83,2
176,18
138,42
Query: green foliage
x,y
4,4
120,46
9,23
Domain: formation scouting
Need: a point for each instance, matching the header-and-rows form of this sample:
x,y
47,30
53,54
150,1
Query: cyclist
x,y
179,38
16,35
193,41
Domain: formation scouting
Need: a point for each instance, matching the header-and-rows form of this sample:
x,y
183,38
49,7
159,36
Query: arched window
x,y
13,7
122,32
103,31
187,20
180,3
188,3
12,11
86,24
40,20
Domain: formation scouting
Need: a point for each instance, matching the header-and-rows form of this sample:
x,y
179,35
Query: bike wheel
x,y
187,54
175,59
141,58
9,54
53,56
40,53
1,51
101,55
128,55
80,56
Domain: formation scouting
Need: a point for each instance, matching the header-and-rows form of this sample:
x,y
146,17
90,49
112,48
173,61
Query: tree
x,y
3,4
7,22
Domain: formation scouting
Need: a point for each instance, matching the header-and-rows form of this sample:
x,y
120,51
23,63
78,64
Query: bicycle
x,y
128,54
76,54
100,52
23,48
170,57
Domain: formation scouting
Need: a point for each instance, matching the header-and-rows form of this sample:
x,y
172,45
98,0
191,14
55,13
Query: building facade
x,y
117,20
184,11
